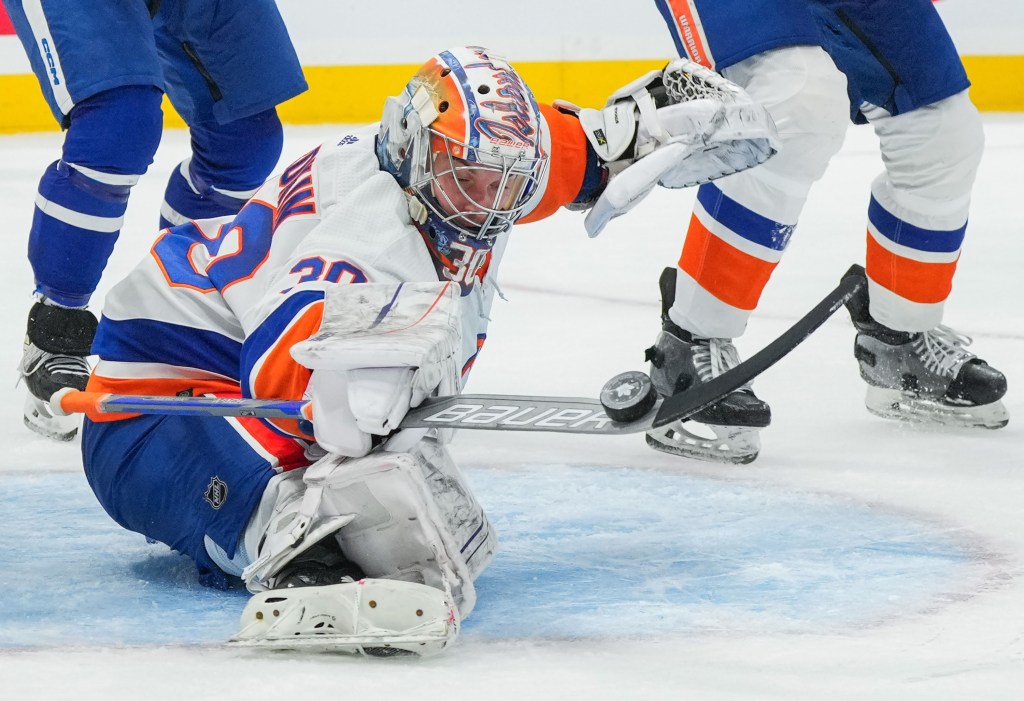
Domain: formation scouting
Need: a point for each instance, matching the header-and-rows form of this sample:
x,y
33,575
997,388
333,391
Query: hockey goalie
x,y
360,279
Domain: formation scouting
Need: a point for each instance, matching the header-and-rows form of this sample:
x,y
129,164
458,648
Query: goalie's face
x,y
479,198
476,157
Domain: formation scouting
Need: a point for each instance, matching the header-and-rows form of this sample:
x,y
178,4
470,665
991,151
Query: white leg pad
x,y
400,530
374,617
463,517
408,517
288,521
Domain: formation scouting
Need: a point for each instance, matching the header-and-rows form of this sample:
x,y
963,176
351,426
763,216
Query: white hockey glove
x,y
682,126
381,349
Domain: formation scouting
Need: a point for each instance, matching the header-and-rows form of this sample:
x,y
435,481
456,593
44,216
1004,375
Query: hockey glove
x,y
682,126
381,349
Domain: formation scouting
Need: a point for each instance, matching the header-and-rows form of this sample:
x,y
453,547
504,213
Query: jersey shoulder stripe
x,y
152,341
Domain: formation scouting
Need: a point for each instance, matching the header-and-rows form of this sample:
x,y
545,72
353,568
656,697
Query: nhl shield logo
x,y
216,492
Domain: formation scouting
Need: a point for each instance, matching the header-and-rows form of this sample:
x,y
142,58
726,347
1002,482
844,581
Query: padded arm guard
x,y
682,126
381,349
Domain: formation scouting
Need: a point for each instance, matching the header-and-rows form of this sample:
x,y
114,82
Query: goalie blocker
x,y
381,349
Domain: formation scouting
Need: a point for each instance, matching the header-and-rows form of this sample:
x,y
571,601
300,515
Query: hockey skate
x,y
927,377
724,432
320,602
57,342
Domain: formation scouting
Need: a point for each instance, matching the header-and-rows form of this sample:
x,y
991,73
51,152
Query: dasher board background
x,y
357,54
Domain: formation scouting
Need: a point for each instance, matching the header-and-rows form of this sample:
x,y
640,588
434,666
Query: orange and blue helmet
x,y
465,138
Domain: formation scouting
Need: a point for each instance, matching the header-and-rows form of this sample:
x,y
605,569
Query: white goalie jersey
x,y
217,305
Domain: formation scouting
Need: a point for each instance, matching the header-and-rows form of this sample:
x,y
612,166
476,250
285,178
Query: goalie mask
x,y
465,139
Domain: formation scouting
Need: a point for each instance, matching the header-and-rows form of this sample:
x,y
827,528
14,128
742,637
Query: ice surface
x,y
855,558
681,554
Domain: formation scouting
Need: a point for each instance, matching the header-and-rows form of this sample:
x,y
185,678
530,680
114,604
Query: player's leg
x,y
931,139
189,482
741,224
916,368
225,78
103,87
229,162
918,210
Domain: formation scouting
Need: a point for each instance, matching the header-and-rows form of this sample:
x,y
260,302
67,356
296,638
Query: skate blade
x,y
40,418
894,404
374,617
738,445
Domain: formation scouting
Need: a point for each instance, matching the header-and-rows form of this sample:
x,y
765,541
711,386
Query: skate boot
x,y
56,345
321,565
724,432
925,377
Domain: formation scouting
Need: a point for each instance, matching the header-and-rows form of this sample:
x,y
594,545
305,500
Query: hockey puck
x,y
628,396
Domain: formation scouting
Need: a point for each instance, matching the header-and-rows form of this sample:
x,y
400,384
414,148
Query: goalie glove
x,y
381,349
682,126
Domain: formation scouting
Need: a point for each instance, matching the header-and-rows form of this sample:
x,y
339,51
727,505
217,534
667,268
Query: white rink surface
x,y
579,312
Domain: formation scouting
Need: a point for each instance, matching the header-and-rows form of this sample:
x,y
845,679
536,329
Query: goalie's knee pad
x,y
400,516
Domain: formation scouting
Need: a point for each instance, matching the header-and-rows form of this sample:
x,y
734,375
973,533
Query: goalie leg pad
x,y
288,521
376,617
409,519
463,517
395,515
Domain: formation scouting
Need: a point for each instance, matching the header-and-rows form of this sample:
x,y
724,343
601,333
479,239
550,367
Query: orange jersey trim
x,y
280,377
734,277
160,387
923,283
288,452
567,163
690,31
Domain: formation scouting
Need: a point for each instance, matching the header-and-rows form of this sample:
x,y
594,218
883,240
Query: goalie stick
x,y
500,412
